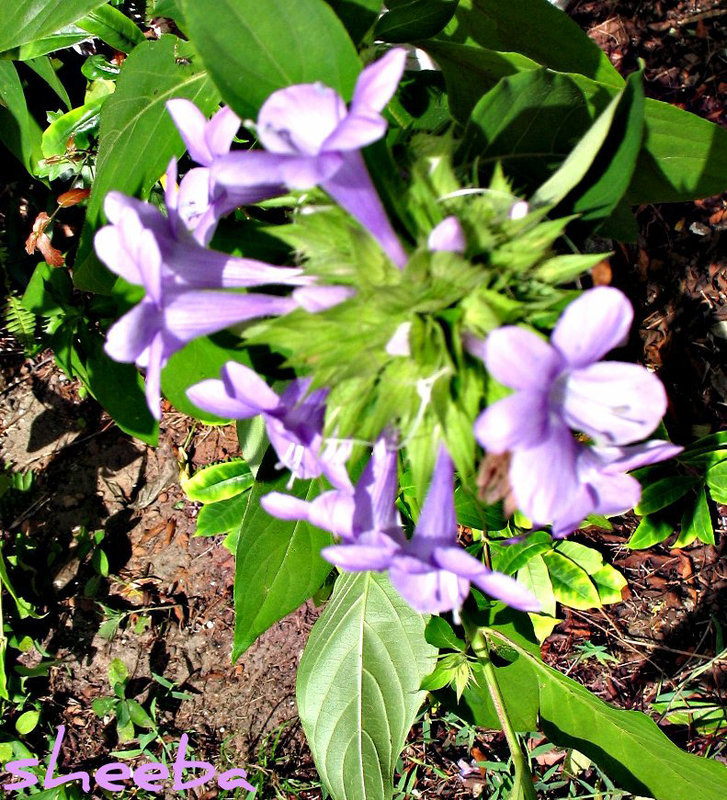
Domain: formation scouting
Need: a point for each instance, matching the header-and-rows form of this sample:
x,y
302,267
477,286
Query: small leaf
x,y
662,493
651,531
439,634
572,585
27,722
696,523
118,673
717,482
219,482
112,27
221,517
414,19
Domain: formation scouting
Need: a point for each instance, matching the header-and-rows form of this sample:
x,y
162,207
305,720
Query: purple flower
x,y
431,571
169,316
294,421
605,488
350,512
561,387
198,203
311,138
183,260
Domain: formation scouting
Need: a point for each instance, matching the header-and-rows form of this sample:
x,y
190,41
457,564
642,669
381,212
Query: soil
x,y
174,590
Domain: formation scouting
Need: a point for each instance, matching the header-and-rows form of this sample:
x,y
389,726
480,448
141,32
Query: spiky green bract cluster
x,y
393,355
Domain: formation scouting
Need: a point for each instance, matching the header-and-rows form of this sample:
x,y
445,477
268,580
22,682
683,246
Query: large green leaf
x,y
26,20
534,28
137,136
627,745
651,530
696,522
218,481
664,492
717,482
278,564
529,123
470,71
358,685
252,48
62,38
18,130
683,157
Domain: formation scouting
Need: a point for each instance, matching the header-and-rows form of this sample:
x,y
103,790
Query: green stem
x,y
481,649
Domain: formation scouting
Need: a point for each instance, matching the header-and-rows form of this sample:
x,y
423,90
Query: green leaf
x,y
470,71
696,523
358,685
534,576
112,27
68,36
219,482
27,20
509,558
222,517
564,269
572,585
19,132
252,48
138,716
44,69
102,706
78,120
521,28
357,16
25,609
119,388
529,123
610,584
27,722
651,530
278,564
137,136
118,673
253,438
472,514
414,19
683,157
439,634
610,175
199,360
717,482
662,493
627,745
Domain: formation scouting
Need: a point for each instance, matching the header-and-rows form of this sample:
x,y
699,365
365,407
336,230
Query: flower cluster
x,y
563,389
311,138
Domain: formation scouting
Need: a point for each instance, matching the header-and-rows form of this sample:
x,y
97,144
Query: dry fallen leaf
x,y
38,240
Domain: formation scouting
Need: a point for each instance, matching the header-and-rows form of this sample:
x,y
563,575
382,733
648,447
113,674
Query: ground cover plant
x,y
375,236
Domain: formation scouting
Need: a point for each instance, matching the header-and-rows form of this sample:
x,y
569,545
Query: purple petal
x,y
239,172
191,124
583,503
211,395
425,588
150,265
352,188
615,494
133,333
110,248
248,388
521,359
448,236
614,402
544,479
595,323
377,83
320,298
502,587
354,132
520,420
372,551
221,130
437,520
155,362
298,119
331,511
190,314
192,199
624,459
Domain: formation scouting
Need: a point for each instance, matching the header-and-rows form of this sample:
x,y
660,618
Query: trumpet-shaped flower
x,y
198,202
294,421
124,244
169,316
562,387
431,571
448,236
311,138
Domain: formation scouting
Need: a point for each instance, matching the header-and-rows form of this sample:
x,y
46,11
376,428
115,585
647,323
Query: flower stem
x,y
523,778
